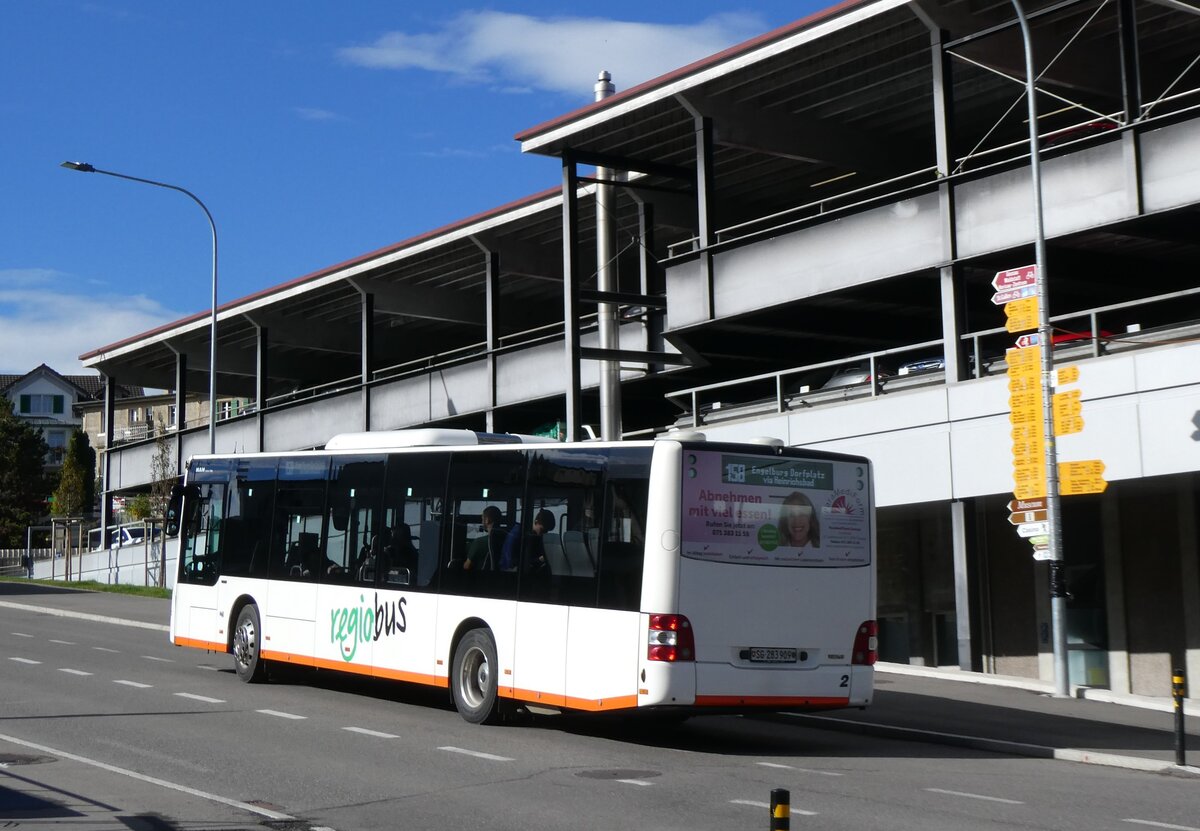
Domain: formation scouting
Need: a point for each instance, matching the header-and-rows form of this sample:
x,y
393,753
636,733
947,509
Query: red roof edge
x,y
316,275
703,63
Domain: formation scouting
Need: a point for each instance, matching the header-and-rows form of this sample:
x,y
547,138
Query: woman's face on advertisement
x,y
797,526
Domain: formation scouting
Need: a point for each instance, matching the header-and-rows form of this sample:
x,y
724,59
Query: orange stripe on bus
x,y
619,702
769,701
211,646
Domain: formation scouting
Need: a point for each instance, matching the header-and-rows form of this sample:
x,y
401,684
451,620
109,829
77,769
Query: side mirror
x,y
181,496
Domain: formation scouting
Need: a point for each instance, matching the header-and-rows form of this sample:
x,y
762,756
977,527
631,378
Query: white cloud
x,y
316,114
43,319
515,52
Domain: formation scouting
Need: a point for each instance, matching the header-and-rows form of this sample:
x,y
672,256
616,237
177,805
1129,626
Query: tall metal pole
x,y
606,280
1058,593
84,167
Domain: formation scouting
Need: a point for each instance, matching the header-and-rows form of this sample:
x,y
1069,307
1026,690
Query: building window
x,y
172,416
37,404
135,415
226,410
57,440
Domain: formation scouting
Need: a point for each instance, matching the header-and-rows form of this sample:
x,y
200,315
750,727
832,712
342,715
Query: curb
x,y
1144,702
1000,746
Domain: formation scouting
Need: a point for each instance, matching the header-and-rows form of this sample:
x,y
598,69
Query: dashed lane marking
x,y
203,698
364,731
70,671
64,643
25,660
477,754
756,804
800,770
976,796
136,684
1154,824
640,783
161,660
21,635
279,714
106,649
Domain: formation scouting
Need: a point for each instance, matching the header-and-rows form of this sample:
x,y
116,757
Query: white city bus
x,y
673,574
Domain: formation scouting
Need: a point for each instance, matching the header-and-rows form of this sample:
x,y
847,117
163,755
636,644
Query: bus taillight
x,y
670,638
866,644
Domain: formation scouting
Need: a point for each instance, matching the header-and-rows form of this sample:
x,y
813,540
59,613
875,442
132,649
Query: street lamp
x,y
84,167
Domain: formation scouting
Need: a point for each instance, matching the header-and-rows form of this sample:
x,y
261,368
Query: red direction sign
x,y
1015,278
1026,341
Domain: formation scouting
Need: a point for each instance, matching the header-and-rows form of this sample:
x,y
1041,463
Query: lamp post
x,y
84,167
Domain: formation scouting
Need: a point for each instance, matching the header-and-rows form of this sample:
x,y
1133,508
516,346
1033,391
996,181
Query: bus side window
x,y
624,544
492,480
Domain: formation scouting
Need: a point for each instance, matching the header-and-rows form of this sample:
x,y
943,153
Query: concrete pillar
x,y
1189,573
1114,590
962,582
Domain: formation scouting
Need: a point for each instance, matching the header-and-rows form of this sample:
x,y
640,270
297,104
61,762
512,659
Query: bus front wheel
x,y
473,677
247,636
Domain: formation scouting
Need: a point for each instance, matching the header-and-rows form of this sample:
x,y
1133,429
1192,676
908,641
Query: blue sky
x,y
314,132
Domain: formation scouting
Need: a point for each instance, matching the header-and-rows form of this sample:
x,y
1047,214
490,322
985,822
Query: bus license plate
x,y
772,655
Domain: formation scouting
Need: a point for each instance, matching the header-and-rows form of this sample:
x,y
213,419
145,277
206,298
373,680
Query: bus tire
x,y
473,677
247,644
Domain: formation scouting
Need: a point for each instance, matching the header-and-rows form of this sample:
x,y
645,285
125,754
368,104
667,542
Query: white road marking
x,y
476,754
21,635
163,660
279,714
64,643
106,649
140,686
801,770
25,660
203,698
976,796
70,671
233,803
1162,824
116,621
367,732
210,669
755,804
637,782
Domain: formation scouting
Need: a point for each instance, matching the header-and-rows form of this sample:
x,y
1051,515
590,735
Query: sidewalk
x,y
1000,714
1020,716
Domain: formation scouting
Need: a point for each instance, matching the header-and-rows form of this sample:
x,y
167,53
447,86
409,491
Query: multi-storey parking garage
x,y
806,229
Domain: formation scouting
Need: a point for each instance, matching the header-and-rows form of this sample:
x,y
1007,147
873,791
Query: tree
x,y
23,484
162,471
72,497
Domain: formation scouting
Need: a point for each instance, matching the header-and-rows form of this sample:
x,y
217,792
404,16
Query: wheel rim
x,y
475,678
245,642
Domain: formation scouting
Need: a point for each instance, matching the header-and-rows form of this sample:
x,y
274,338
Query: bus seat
x,y
556,558
577,554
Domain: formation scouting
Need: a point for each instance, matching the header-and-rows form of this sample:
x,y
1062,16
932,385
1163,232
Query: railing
x,y
742,397
877,192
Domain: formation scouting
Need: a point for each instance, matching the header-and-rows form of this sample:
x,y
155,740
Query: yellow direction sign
x,y
1030,490
1022,400
1030,359
1068,407
1068,374
1027,382
1022,315
1081,477
1025,416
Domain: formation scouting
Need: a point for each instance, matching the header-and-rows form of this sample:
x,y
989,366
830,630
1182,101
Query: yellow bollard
x,y
781,810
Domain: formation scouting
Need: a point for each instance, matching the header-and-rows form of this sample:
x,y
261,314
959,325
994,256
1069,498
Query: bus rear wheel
x,y
247,655
473,677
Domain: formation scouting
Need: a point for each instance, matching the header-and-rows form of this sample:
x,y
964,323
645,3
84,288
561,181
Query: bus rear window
x,y
775,510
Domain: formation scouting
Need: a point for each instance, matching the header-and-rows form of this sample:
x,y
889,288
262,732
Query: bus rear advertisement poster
x,y
774,510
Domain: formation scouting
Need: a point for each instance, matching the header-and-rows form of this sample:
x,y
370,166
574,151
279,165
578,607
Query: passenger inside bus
x,y
483,551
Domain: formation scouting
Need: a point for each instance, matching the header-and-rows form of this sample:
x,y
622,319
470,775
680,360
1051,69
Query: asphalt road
x,y
187,745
